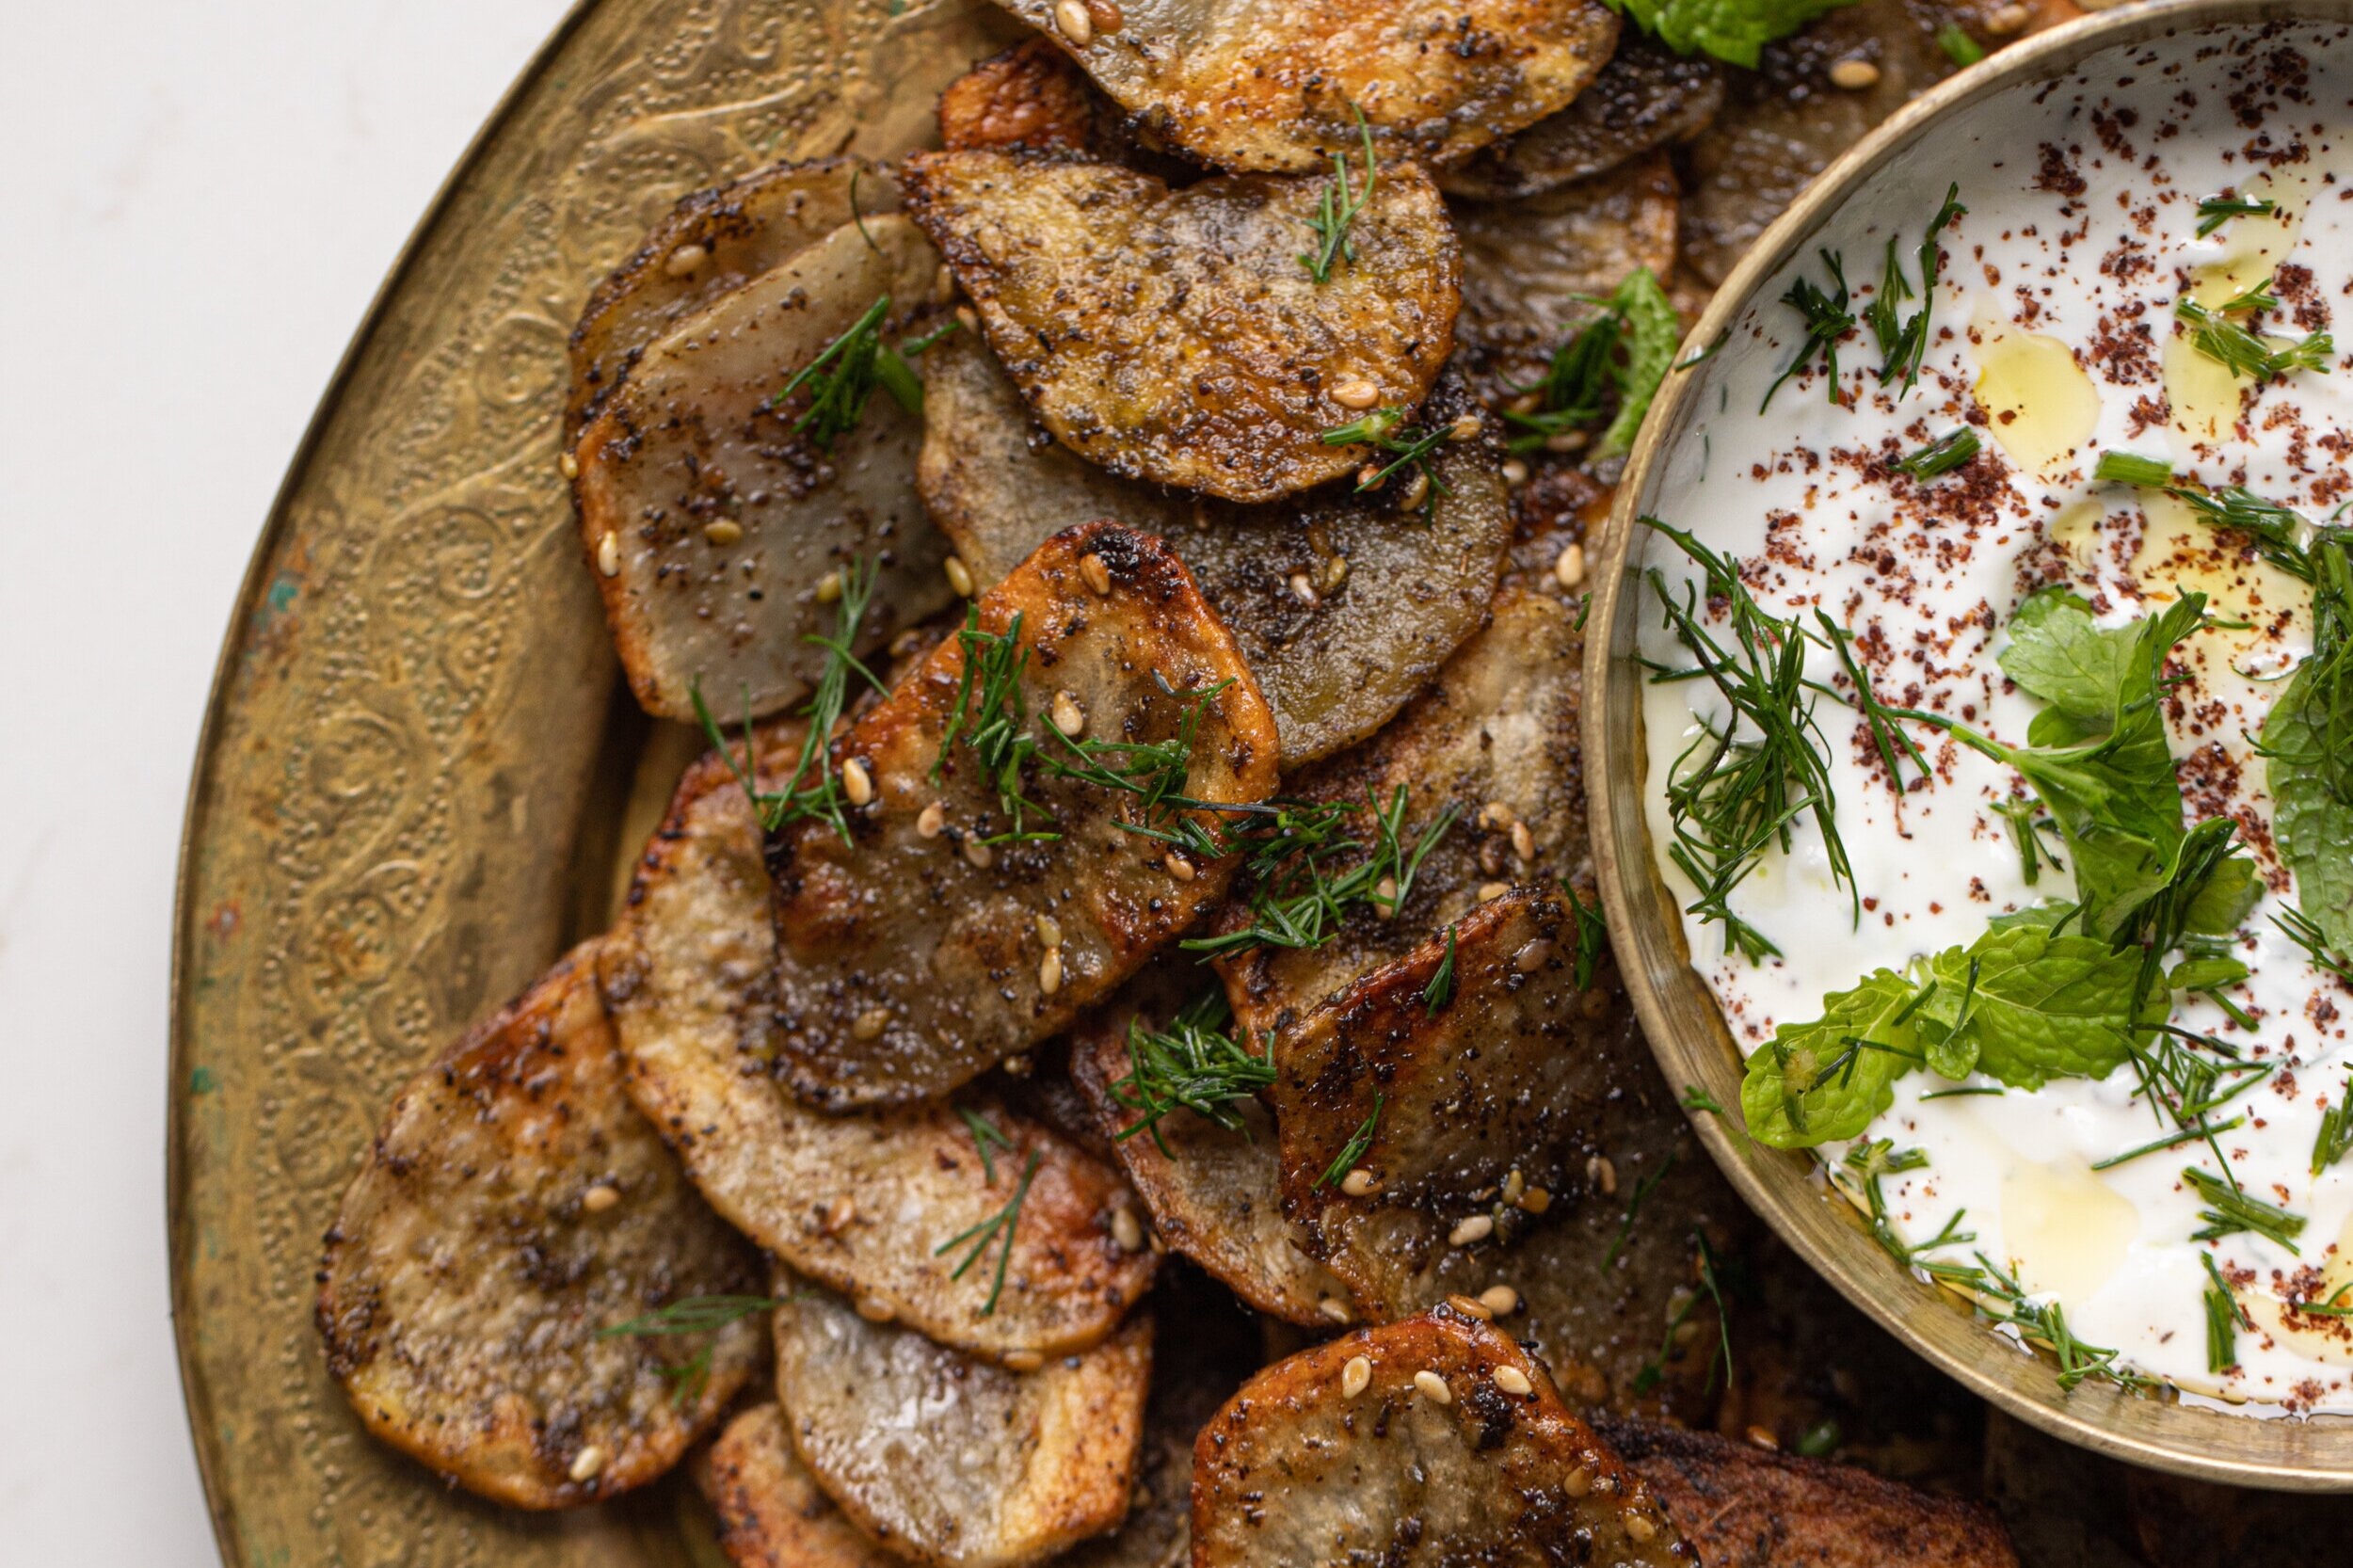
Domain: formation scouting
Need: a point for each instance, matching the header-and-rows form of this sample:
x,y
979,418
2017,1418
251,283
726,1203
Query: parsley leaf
x,y
1733,30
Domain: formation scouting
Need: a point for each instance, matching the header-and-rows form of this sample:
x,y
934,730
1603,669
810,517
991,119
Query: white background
x,y
197,203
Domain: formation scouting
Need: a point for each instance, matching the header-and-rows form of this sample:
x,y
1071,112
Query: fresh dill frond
x,y
1408,446
2044,1323
2335,1137
1440,990
1001,1227
1339,209
1611,364
2028,823
2225,1317
1298,903
2242,353
1592,935
1653,1372
991,716
698,1314
1940,456
1359,1143
2215,211
812,790
2231,1210
1887,733
1827,320
985,1136
1642,1188
840,380
1193,1064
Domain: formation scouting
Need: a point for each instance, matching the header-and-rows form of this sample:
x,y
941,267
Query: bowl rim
x,y
2311,1454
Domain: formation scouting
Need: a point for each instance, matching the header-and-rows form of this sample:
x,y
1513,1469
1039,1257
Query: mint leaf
x,y
2057,654
2041,1007
1651,332
1733,30
2049,914
1814,1082
2308,747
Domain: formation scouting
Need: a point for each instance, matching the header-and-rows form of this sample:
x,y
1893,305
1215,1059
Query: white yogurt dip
x,y
2053,338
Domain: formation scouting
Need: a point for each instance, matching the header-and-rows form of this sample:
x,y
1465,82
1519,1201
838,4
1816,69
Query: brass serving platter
x,y
1677,1011
410,792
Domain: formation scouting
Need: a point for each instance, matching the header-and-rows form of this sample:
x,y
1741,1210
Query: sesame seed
x,y
1532,956
567,464
875,1310
829,587
1495,813
1854,75
1355,1377
1430,1386
1566,440
1384,895
1523,841
588,1463
1513,1380
601,1197
1330,1307
1108,17
608,554
1535,1200
1568,568
1098,572
1023,1361
1514,1185
1502,1300
839,1214
1127,1230
2007,18
1465,427
1048,931
1577,1481
1355,392
685,259
1686,1332
1302,589
1470,1307
1180,867
723,531
869,1024
1762,1437
1359,1183
929,821
1527,403
1417,489
978,853
969,318
1334,572
1049,971
1076,24
1639,1527
1476,1229
1515,471
1067,716
1019,1066
1602,1173
856,782
1490,891
943,286
959,575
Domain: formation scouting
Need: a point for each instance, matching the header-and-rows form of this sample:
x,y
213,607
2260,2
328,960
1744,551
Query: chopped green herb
x,y
2027,824
1339,209
842,377
1821,1439
1892,743
2125,468
984,1135
1827,320
1733,30
2199,1132
1440,990
1654,1371
2231,1210
1359,1143
1940,456
1615,360
704,1315
2225,1317
1001,1227
1634,1206
1697,1098
2044,1323
1297,903
2336,1130
1592,935
1904,347
1193,1064
1965,1089
1959,46
2241,352
1408,446
2339,1305
2215,211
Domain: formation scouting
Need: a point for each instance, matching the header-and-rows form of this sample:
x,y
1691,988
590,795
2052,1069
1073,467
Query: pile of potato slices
x,y
1112,1055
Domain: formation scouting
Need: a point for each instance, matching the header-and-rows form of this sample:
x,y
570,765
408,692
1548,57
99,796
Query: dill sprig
x,y
2280,535
2299,928
1642,1188
1298,903
1359,1143
2335,1137
1940,456
2231,1210
985,1136
1001,1225
2028,823
842,377
1592,935
1733,794
2044,1323
1193,1064
2339,1305
1440,990
1697,1098
1614,361
2241,352
1903,341
1339,209
2215,211
2225,1317
812,790
1409,446
705,1315
1887,734
1827,320
1654,1371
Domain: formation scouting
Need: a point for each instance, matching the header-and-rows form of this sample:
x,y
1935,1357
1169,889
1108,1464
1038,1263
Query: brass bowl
x,y
1688,1032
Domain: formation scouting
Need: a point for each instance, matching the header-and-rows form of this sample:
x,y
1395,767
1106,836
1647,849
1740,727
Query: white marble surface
x,y
200,201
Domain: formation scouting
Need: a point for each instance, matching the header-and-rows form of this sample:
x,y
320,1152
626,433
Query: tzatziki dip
x,y
1995,607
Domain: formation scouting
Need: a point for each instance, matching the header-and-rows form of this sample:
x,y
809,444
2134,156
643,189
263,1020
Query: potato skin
x,y
470,1270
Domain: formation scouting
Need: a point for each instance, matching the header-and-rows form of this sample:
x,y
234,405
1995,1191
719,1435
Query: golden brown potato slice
x,y
513,1206
1028,99
860,1203
1646,97
1214,1195
1494,742
1426,1443
711,244
1249,85
1175,335
1514,1118
772,1513
1738,1506
1342,606
1532,270
708,522
966,923
956,1461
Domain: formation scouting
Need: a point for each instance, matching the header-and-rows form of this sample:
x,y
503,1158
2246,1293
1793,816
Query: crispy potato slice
x,y
918,957
955,1462
712,242
1028,99
1174,335
1784,122
1246,84
1531,269
1388,595
1646,97
721,520
772,1512
1214,1195
1455,1450
1519,1084
857,1202
513,1206
1498,729
1739,1506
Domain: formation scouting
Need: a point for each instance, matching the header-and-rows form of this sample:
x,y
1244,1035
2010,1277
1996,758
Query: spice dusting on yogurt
x,y
1998,599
